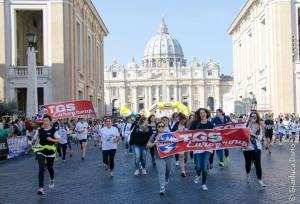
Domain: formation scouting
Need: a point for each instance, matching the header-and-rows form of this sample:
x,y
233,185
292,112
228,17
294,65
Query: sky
x,y
200,26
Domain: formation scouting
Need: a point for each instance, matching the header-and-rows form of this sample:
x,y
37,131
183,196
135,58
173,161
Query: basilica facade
x,y
164,75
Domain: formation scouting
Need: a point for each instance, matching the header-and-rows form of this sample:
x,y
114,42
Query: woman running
x,y
253,152
152,125
164,165
110,137
201,156
269,125
47,136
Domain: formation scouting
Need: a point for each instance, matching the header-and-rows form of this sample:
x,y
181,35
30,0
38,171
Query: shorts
x,y
269,136
81,141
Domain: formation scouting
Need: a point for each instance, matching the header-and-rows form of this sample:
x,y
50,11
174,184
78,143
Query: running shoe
x,y
162,190
144,172
82,158
51,184
183,174
227,159
40,192
261,183
196,179
167,181
137,172
248,178
221,164
111,174
177,163
204,187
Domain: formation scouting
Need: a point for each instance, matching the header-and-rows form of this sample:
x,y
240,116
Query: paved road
x,y
87,181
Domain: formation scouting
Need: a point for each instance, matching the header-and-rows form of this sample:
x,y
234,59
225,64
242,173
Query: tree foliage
x,y
8,108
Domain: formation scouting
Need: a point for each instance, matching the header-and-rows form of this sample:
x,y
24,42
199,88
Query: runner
x,y
201,157
253,152
281,130
139,138
292,130
63,131
152,125
127,133
220,119
179,127
164,165
269,124
110,137
46,138
82,130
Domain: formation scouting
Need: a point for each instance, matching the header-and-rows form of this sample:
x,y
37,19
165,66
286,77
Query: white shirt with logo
x,y
82,127
108,137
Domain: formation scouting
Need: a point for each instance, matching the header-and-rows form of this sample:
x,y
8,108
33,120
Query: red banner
x,y
67,109
177,142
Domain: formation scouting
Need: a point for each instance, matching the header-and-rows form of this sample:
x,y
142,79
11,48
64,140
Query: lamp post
x,y
31,108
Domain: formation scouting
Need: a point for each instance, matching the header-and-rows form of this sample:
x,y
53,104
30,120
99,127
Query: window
x,y
171,92
114,74
90,58
78,46
209,73
184,91
91,98
80,95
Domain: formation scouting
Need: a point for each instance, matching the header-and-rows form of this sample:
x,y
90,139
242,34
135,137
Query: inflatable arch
x,y
174,105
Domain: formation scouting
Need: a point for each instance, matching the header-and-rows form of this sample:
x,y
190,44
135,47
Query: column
x,y
179,94
167,94
157,93
134,99
175,93
149,97
146,98
190,97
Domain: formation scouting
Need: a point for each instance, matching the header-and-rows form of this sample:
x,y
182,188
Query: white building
x,y
165,76
266,63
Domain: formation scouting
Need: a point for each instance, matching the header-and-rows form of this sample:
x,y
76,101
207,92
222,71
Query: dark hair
x,y
181,116
197,117
47,116
220,110
142,120
164,117
175,115
149,118
258,119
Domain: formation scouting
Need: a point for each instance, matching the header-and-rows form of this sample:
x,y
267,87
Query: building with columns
x,y
70,50
165,76
266,63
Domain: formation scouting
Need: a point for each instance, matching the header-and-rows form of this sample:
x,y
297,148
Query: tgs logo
x,y
167,142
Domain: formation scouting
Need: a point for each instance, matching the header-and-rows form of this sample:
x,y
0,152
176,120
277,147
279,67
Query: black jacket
x,y
140,137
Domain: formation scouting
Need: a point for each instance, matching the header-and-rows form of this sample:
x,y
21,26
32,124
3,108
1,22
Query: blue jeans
x,y
140,153
201,161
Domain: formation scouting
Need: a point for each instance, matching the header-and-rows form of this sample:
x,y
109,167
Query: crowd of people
x,y
51,139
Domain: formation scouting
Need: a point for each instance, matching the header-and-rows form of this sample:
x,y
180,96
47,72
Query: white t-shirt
x,y
108,135
82,126
63,132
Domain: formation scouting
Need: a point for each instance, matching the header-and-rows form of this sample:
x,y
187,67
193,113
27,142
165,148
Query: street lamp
x,y
31,108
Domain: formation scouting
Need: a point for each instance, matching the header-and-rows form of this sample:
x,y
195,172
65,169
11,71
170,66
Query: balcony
x,y
22,72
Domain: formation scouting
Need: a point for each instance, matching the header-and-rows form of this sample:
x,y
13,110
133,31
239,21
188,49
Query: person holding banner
x,y
47,136
164,165
180,126
253,152
82,132
200,156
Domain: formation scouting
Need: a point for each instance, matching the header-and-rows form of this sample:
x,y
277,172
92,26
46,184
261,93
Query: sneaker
x,y
167,181
177,163
162,190
196,179
144,172
111,174
82,158
261,183
248,178
183,174
204,187
40,192
71,155
221,164
51,184
137,172
106,166
227,159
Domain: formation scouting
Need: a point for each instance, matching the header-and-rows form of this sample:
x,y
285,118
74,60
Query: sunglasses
x,y
160,126
253,116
